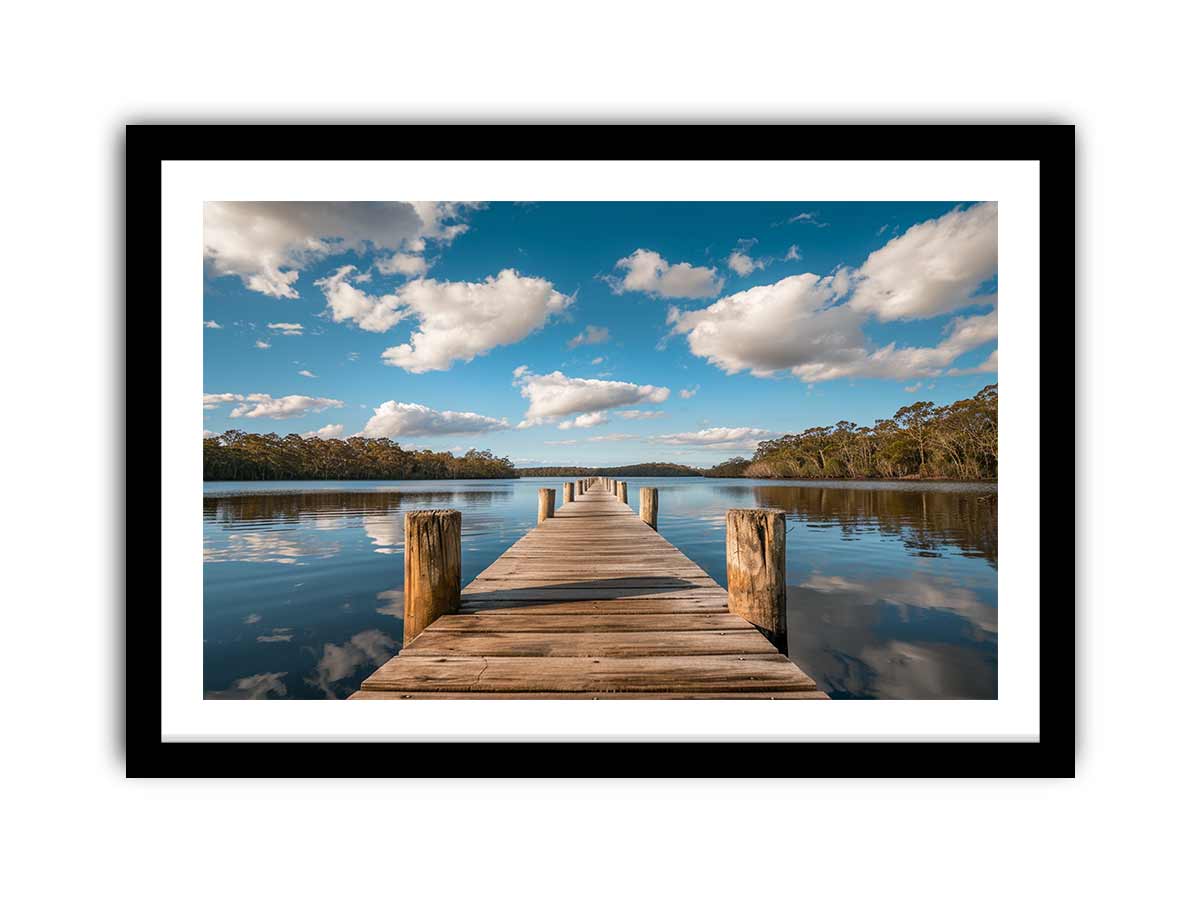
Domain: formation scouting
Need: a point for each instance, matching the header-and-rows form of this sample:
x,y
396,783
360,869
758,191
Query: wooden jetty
x,y
593,604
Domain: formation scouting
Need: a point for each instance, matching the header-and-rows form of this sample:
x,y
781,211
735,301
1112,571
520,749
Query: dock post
x,y
545,504
568,492
649,507
623,492
613,487
432,567
755,566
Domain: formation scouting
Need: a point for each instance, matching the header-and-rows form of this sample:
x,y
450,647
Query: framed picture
x,y
465,428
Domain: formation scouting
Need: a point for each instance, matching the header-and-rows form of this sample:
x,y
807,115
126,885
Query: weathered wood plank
x,y
752,672
601,622
622,605
583,594
590,644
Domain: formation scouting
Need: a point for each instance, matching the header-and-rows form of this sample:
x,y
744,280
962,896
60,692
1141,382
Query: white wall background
x,y
72,74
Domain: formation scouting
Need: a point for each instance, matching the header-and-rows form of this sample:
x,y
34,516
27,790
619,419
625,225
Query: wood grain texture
x,y
591,644
592,604
732,674
595,622
756,570
648,506
432,567
545,504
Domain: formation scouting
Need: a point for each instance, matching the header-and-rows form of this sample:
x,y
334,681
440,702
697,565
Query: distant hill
x,y
637,470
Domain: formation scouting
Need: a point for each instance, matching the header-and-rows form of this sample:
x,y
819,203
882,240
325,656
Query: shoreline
x,y
905,479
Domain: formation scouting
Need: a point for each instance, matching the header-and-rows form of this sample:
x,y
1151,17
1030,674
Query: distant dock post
x,y
756,568
615,487
432,567
545,504
623,491
568,492
649,506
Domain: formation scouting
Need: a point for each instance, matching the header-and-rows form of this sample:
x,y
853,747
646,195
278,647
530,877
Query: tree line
x,y
959,441
636,470
245,456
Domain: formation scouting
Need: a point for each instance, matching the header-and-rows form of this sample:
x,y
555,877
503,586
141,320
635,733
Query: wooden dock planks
x,y
591,604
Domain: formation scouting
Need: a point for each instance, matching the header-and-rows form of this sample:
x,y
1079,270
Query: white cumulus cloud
x,y
292,328
641,413
743,438
209,323
264,406
306,373
400,264
458,320
648,272
326,432
772,327
395,419
688,394
933,268
587,420
555,396
267,243
991,364
592,334
902,363
744,264
262,345
812,326
212,401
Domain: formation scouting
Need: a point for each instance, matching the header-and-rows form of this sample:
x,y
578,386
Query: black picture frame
x,y
1052,146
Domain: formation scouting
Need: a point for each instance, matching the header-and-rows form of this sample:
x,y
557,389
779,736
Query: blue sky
x,y
592,333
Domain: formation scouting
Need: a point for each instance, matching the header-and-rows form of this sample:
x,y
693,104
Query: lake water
x,y
891,585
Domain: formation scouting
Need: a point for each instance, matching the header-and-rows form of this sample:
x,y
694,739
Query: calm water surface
x,y
891,586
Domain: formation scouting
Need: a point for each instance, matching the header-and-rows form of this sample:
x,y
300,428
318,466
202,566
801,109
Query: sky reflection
x,y
892,590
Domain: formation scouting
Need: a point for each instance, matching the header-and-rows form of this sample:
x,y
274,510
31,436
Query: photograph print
x,y
600,450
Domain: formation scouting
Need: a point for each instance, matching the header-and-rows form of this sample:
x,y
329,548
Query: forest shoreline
x,y
920,442
700,474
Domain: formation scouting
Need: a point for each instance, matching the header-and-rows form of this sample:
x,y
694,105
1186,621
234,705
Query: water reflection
x,y
356,658
386,533
894,638
926,520
253,687
391,603
295,506
892,587
268,548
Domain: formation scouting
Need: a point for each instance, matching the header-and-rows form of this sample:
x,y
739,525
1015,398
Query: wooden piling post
x,y
649,507
432,567
756,569
545,504
623,491
568,492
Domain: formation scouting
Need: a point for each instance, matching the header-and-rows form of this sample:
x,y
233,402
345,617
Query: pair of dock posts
x,y
620,490
593,603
